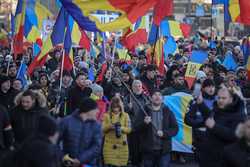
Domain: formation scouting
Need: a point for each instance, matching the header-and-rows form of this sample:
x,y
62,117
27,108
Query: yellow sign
x,y
192,69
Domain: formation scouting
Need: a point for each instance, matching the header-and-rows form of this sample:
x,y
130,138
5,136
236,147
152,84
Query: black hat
x,y
47,125
87,105
3,78
208,82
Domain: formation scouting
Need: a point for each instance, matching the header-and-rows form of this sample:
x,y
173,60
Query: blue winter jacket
x,y
81,139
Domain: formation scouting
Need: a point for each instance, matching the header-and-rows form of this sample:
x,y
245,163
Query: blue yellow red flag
x,y
35,14
19,27
178,104
130,11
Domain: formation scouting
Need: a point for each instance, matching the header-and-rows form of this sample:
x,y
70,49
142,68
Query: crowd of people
x,y
119,118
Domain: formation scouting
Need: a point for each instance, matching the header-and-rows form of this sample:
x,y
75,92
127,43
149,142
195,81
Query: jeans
x,y
156,159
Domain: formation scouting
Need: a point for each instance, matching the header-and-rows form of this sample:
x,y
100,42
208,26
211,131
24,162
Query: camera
x,y
118,130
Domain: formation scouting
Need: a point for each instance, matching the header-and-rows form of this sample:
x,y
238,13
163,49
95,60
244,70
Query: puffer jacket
x,y
81,139
24,123
115,150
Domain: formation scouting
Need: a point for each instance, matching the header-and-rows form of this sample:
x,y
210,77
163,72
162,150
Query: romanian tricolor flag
x,y
236,10
19,27
169,28
79,37
178,104
56,38
130,11
57,35
159,55
68,52
198,57
34,17
138,36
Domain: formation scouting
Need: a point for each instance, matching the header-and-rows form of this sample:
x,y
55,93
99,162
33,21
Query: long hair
x,y
116,102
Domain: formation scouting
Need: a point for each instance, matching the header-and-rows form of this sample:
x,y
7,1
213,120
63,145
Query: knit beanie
x,y
87,105
96,88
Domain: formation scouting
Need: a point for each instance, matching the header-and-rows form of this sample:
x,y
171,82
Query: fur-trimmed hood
x,y
41,100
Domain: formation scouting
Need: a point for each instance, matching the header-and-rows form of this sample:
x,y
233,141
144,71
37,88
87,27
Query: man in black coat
x,y
58,98
196,119
6,94
30,105
6,133
78,92
135,110
226,115
157,130
39,150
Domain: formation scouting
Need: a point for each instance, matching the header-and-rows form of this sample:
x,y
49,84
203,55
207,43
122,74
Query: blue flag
x,y
21,74
229,62
200,11
165,28
215,2
36,50
12,25
170,46
212,45
91,74
153,34
198,56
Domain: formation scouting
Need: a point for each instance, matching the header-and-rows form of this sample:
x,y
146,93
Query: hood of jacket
x,y
40,99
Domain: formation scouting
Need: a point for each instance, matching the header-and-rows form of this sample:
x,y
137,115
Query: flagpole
x,y
61,75
113,56
212,21
8,66
104,45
